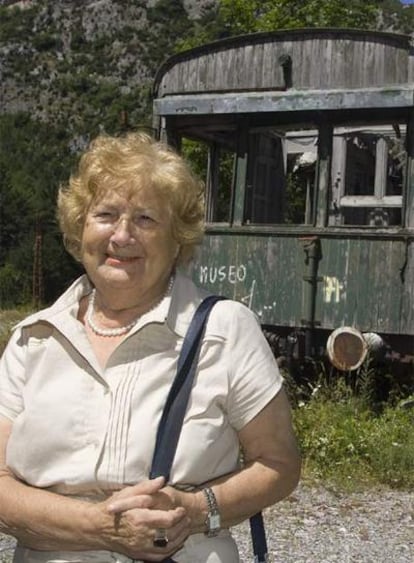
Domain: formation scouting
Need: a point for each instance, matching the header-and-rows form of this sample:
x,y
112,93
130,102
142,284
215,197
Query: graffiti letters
x,y
231,273
332,289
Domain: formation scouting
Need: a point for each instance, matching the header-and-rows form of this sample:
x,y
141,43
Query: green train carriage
x,y
308,136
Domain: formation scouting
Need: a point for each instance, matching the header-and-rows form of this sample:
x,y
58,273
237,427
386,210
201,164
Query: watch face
x,y
214,521
214,524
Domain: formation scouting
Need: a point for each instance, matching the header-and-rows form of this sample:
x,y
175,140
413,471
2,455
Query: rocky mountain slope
x,y
69,58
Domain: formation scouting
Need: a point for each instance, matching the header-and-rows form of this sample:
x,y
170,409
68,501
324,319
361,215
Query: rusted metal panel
x,y
359,280
259,271
361,285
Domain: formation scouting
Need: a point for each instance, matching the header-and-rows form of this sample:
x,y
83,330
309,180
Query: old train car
x,y
309,141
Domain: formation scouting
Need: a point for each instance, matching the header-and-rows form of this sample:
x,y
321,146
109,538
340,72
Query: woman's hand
x,y
147,494
137,513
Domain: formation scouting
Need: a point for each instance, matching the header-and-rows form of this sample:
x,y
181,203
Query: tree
x,y
237,17
287,14
34,159
167,21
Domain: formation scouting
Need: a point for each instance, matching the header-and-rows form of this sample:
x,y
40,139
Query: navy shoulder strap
x,y
173,415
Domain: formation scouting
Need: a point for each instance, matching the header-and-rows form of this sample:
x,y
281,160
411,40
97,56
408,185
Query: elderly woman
x,y
83,384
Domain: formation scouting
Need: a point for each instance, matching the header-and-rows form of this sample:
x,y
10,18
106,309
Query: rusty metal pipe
x,y
347,347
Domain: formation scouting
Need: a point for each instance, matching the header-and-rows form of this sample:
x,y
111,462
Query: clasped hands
x,y
140,512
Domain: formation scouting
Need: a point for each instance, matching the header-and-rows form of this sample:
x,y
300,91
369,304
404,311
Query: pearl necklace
x,y
122,329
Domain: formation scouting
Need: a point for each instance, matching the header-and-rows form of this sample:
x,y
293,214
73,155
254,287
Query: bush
x,y
13,286
16,23
390,447
46,41
346,443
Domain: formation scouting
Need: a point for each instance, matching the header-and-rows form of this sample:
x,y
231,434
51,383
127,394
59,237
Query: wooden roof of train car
x,y
288,71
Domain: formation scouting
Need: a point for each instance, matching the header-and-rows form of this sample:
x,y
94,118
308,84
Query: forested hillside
x,y
71,68
68,69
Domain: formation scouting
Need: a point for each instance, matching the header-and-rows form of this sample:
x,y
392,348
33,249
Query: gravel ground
x,y
316,525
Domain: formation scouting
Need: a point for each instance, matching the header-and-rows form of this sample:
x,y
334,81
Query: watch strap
x,y
213,520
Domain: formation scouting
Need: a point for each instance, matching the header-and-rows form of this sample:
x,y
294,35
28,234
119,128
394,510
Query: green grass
x,y
351,447
353,431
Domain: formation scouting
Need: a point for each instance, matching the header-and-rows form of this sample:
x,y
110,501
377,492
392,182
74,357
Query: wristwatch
x,y
213,520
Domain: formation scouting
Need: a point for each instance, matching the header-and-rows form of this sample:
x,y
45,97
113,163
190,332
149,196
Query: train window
x,y
265,179
367,176
371,216
214,164
301,154
359,166
219,181
280,177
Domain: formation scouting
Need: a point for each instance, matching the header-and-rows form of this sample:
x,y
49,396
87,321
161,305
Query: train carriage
x,y
309,143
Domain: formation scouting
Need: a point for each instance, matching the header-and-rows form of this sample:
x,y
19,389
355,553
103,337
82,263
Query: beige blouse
x,y
81,430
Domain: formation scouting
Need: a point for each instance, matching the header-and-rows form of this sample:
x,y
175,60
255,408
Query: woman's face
x,y
127,243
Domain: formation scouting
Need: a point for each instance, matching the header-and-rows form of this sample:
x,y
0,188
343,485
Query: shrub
x,y
13,286
45,41
390,447
350,445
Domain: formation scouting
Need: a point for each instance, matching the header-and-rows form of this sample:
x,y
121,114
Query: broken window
x,y
214,164
367,176
220,181
280,177
279,172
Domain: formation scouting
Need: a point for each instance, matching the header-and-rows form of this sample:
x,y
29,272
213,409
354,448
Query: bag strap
x,y
169,428
259,542
171,422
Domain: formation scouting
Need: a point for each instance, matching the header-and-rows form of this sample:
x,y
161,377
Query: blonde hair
x,y
134,160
